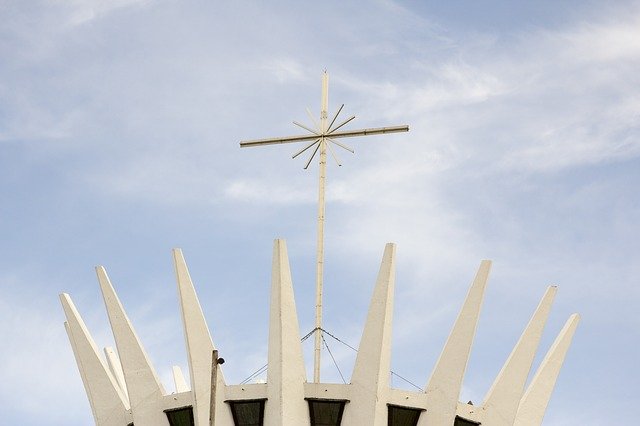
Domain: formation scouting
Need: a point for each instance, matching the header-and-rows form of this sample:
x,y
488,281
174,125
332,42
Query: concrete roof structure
x,y
124,388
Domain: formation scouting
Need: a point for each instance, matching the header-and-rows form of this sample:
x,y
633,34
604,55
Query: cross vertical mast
x,y
321,211
319,140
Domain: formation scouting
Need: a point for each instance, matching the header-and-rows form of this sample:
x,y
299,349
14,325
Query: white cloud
x,y
85,11
267,193
612,40
552,99
285,70
456,84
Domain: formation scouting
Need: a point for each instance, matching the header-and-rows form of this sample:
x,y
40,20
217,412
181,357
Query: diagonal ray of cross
x,y
319,140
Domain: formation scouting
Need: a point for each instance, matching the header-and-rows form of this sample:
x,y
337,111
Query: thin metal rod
x,y
333,154
305,148
321,210
348,120
214,383
306,166
313,120
366,132
275,141
343,146
334,118
255,373
333,134
326,345
306,128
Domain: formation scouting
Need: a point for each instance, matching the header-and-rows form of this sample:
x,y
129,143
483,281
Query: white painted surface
x,y
285,371
105,397
536,398
179,381
501,403
199,348
445,383
286,388
370,380
116,370
145,391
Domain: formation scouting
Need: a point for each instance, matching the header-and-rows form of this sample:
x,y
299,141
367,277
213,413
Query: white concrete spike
x,y
108,404
443,388
536,398
372,368
178,380
285,372
199,349
145,390
116,369
501,403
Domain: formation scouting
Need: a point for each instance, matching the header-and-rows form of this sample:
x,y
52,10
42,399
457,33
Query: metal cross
x,y
321,138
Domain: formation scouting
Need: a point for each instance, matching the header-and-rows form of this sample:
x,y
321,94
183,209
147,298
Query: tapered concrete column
x,y
370,380
443,388
178,380
116,370
535,400
199,348
107,401
145,391
285,372
501,403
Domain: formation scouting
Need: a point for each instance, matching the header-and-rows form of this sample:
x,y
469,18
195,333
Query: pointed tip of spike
x,y
536,398
391,248
503,397
279,244
485,266
375,340
66,301
178,258
101,271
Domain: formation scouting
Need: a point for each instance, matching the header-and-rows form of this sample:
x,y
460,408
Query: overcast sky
x,y
119,130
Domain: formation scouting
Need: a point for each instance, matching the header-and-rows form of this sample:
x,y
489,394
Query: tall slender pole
x,y
319,141
321,210
214,383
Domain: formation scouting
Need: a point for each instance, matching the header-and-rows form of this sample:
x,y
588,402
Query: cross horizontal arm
x,y
365,132
275,141
332,135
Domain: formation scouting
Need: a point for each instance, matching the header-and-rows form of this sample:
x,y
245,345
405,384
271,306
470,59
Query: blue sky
x,y
119,130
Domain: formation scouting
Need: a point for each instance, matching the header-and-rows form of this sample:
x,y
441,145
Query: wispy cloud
x,y
267,193
285,69
82,11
